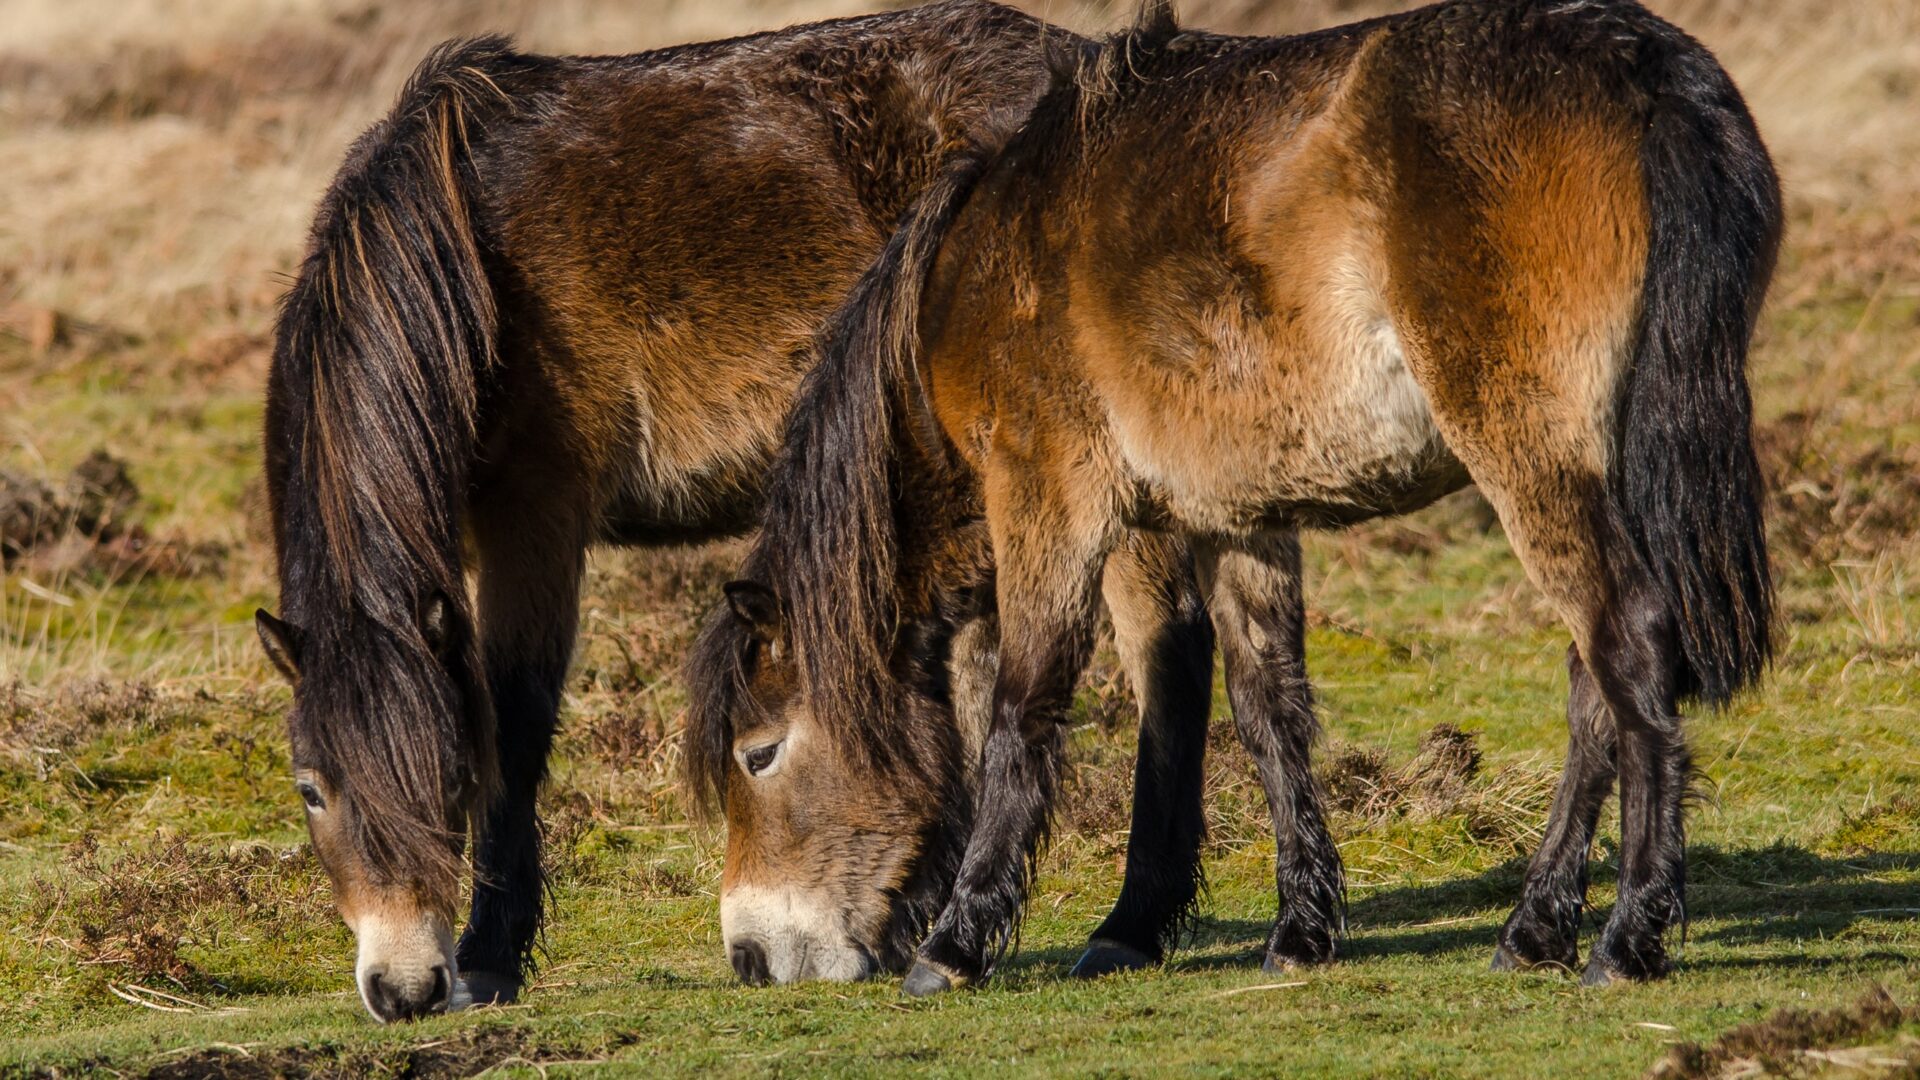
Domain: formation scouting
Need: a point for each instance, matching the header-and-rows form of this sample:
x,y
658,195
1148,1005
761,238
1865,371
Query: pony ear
x,y
281,641
757,608
436,623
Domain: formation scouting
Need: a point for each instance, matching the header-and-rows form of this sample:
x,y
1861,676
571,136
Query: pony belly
x,y
1375,449
1328,434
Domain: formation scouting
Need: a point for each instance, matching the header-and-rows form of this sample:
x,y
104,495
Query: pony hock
x,y
1224,287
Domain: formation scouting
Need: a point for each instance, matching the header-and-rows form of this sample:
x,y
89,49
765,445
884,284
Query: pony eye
x,y
312,796
760,757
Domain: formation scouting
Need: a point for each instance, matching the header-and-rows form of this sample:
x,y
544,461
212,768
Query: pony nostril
x,y
750,962
391,1000
379,1000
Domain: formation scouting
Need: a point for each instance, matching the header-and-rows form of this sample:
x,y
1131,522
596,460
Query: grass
x,y
159,911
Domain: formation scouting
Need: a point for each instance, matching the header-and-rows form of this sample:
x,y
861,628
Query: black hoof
x,y
1291,950
1607,966
1296,944
925,981
1280,964
1508,959
1599,974
486,988
1106,957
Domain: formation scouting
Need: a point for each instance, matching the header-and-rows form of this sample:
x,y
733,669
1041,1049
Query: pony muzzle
x,y
404,965
788,936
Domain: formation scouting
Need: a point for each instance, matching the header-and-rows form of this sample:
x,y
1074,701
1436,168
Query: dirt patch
x,y
86,525
1362,782
101,494
1448,761
29,514
1796,1042
467,1053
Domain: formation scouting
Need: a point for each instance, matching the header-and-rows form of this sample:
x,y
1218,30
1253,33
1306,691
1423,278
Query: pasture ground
x,y
160,914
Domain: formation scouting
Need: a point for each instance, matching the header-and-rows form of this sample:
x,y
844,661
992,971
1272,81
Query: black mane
x,y
380,352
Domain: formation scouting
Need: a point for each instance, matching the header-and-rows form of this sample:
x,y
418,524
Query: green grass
x,y
1805,880
150,840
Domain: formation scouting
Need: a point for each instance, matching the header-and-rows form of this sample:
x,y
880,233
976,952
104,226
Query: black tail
x,y
1687,477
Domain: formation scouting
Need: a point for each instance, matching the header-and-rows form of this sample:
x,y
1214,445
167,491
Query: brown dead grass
x,y
136,915
1802,1042
1503,808
89,527
1831,499
164,162
35,722
1365,789
466,1053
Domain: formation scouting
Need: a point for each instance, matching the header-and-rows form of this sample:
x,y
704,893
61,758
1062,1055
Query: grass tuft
x,y
1798,1042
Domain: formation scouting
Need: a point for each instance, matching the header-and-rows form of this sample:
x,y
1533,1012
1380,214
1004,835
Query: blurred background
x,y
163,158
161,161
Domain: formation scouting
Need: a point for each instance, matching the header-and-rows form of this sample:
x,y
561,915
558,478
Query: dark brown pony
x,y
1226,287
550,302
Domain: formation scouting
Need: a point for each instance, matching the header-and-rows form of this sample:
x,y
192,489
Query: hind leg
x,y
1519,318
1544,929
1636,661
1260,619
530,566
1570,538
1165,642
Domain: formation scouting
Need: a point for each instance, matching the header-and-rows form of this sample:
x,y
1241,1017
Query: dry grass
x,y
1365,790
1803,1042
163,164
191,144
139,915
163,160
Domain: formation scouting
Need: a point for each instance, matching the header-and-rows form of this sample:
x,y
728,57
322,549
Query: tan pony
x,y
1221,288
